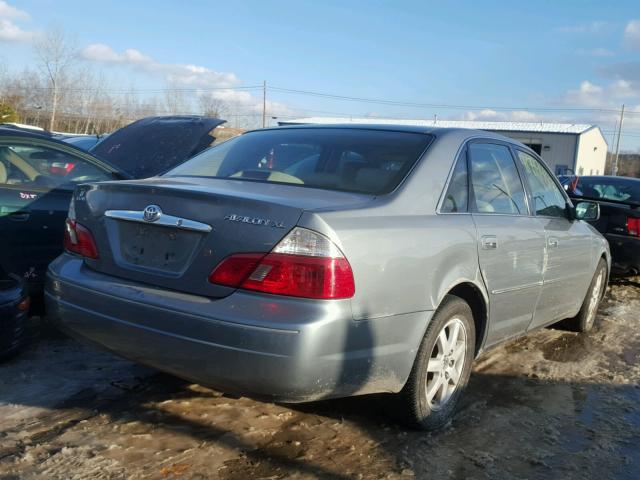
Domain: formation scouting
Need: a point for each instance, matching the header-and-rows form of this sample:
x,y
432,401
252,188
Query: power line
x,y
442,105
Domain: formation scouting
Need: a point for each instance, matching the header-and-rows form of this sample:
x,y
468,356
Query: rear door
x,y
567,259
37,178
510,240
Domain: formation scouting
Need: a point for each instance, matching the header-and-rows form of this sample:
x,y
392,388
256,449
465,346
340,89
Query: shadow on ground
x,y
553,405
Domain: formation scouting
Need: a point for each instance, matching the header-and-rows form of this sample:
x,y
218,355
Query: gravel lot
x,y
552,405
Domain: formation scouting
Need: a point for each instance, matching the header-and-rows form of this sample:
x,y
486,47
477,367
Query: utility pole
x,y
614,168
264,104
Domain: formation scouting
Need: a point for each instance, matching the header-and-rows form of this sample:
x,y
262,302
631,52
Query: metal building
x,y
580,148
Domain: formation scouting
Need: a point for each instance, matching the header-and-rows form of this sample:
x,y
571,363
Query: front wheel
x,y
583,322
442,366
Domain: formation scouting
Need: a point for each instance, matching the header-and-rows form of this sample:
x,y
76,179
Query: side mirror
x,y
589,211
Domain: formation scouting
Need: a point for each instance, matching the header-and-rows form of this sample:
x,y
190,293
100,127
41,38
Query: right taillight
x,y
304,264
633,226
78,239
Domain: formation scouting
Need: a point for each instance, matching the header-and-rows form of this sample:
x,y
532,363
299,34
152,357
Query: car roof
x,y
461,133
14,130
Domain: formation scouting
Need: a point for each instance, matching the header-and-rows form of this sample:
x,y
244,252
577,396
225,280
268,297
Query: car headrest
x,y
3,173
372,179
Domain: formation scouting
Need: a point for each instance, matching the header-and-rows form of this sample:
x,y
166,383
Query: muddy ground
x,y
552,405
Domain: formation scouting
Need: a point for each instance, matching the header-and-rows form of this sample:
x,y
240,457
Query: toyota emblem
x,y
151,213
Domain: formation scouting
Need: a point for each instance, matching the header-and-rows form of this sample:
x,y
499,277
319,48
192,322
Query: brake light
x,y
633,226
78,239
304,264
24,304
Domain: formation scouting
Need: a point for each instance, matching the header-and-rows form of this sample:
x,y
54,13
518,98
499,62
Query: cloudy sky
x,y
528,61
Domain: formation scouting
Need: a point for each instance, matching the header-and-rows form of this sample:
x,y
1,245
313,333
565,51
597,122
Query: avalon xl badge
x,y
151,213
266,222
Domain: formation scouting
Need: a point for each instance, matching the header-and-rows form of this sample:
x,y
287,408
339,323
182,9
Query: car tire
x,y
584,320
435,384
13,333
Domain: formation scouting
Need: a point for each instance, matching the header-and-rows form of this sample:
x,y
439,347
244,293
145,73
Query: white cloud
x,y
10,32
195,76
623,89
597,96
204,81
587,95
607,98
632,34
502,116
7,11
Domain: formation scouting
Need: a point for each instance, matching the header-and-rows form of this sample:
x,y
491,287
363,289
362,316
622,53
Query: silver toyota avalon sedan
x,y
304,263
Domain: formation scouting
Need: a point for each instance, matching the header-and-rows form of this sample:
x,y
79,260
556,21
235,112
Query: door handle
x,y
553,242
489,242
19,216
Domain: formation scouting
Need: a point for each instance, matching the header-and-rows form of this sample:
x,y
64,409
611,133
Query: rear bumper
x,y
282,348
625,253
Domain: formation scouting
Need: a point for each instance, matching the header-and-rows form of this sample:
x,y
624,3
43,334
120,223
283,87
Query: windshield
x,y
353,160
609,188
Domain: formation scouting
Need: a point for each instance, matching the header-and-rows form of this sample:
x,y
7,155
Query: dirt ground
x,y
552,405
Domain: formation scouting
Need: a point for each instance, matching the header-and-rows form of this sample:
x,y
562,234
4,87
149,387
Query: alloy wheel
x,y
446,363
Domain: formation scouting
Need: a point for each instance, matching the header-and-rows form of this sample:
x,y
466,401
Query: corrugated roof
x,y
539,127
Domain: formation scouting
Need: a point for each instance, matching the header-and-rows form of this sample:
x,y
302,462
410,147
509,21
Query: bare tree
x,y
175,100
57,56
211,106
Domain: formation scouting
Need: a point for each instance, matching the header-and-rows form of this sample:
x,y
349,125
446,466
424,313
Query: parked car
x,y
304,263
14,306
619,222
38,174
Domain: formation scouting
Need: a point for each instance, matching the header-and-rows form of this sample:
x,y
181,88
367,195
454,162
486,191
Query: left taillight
x,y
304,264
79,239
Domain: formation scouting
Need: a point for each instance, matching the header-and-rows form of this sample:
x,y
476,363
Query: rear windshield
x,y
609,188
352,160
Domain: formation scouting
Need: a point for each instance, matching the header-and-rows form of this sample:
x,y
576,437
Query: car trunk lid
x,y
173,232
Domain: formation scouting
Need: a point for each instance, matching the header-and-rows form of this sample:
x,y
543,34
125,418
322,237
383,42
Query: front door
x,y
567,259
510,241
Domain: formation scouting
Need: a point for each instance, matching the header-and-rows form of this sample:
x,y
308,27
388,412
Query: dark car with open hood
x,y
38,174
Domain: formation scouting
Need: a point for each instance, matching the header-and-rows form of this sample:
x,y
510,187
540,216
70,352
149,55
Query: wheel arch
x,y
477,300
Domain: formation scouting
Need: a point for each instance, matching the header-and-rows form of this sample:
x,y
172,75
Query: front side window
x,y
35,166
548,199
495,181
353,160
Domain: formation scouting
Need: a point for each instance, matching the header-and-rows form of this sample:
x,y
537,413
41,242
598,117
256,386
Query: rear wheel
x,y
583,322
442,366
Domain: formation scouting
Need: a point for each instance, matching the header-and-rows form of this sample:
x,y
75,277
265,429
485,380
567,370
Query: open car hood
x,y
153,145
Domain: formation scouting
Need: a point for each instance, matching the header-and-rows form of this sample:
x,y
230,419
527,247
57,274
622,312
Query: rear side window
x,y
547,197
353,160
457,197
495,180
